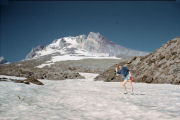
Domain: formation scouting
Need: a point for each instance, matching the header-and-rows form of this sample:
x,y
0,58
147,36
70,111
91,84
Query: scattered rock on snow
x,y
33,80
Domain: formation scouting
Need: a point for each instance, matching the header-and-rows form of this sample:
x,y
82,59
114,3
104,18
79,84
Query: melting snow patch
x,y
12,77
71,57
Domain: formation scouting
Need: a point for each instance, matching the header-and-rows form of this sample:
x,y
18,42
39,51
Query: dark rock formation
x,y
26,81
3,79
58,71
33,80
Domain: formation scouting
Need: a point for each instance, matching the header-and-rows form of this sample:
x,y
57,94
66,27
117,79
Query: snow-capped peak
x,y
95,35
2,60
92,45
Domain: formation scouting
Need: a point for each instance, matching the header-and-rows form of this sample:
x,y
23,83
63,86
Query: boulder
x,y
34,81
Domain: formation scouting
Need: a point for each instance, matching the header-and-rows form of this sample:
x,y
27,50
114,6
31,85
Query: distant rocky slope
x,y
2,60
58,71
28,69
161,66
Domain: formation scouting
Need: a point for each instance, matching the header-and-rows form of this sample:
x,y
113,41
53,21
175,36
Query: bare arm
x,y
116,69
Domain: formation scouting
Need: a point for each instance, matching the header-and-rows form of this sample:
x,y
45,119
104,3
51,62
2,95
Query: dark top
x,y
124,71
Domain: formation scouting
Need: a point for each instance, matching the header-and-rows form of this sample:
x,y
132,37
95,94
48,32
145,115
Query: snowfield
x,y
85,99
70,57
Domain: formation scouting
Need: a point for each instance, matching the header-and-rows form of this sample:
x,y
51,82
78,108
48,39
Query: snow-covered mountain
x,y
2,60
93,45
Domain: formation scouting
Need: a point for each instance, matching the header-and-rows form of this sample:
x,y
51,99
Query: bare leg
x,y
124,86
130,83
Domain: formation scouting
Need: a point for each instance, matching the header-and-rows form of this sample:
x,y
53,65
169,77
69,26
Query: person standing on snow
x,y
127,74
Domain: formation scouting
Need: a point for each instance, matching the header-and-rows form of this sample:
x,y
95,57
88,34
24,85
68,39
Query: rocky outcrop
x,y
45,73
26,81
33,51
58,71
33,80
161,66
28,69
3,79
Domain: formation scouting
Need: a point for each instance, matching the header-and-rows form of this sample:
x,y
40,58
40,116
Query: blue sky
x,y
141,26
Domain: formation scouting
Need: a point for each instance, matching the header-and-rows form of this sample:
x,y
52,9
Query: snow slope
x,y
69,57
85,99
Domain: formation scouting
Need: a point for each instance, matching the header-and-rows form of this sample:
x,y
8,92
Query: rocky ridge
x,y
161,66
